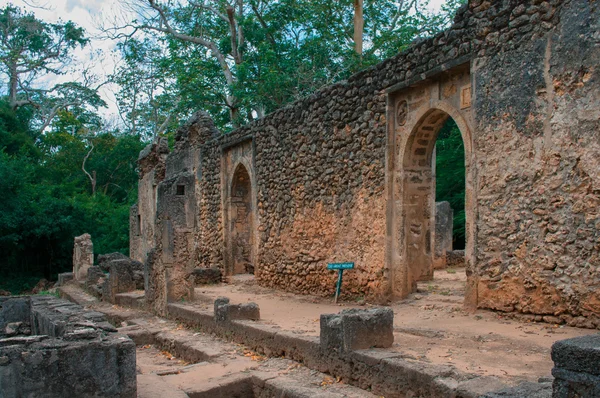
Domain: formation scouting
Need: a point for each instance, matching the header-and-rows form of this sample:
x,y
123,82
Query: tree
x,y
359,23
241,59
31,49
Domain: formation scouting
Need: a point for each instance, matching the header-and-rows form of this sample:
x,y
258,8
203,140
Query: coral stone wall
x,y
537,110
322,169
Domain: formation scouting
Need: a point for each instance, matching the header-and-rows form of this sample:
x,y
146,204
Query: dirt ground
x,y
430,326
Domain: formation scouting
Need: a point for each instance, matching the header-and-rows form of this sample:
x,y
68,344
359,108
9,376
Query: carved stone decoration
x,y
401,113
465,97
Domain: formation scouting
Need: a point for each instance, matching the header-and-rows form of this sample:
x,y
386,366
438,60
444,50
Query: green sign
x,y
340,265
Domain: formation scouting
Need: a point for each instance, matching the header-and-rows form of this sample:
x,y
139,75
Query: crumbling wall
x,y
83,256
151,167
325,168
67,351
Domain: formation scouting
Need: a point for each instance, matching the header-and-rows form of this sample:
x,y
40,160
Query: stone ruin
x,y
83,256
50,347
115,273
444,223
346,174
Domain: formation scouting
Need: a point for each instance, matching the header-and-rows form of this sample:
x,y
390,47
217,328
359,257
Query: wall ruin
x,y
345,174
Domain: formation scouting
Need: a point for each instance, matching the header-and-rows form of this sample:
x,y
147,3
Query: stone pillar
x,y
576,367
444,217
83,256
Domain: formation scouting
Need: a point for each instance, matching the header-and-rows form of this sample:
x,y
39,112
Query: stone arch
x,y
417,181
241,222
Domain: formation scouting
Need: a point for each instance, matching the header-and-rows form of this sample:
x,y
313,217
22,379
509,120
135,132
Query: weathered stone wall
x,y
151,164
343,175
537,107
67,351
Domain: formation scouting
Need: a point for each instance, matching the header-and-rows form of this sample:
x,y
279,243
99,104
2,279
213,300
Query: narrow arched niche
x,y
241,223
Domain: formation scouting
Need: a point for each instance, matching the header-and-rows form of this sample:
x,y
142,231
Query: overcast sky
x,y
88,14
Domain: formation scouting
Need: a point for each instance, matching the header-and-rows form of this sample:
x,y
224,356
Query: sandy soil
x,y
430,326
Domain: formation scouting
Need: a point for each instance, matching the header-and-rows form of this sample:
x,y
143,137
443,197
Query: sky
x,y
100,55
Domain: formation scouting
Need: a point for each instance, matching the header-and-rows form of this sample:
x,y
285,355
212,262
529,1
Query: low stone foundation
x,y
53,348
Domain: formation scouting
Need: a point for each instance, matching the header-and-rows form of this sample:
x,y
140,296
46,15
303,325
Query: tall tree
x,y
359,24
240,59
30,49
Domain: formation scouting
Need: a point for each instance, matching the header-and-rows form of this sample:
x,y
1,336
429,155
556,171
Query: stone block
x,y
444,216
14,309
94,276
71,352
225,312
579,354
120,280
576,367
64,278
221,304
206,276
246,311
106,260
356,329
83,256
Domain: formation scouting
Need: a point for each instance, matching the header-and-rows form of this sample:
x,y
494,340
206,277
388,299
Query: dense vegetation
x,y
64,170
450,177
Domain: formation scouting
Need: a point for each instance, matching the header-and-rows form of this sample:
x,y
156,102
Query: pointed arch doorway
x,y
240,223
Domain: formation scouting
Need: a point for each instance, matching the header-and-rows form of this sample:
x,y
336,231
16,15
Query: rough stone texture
x,y
71,352
225,312
356,329
83,256
576,367
65,277
206,276
345,174
151,164
120,280
527,389
14,309
105,260
455,258
94,276
444,222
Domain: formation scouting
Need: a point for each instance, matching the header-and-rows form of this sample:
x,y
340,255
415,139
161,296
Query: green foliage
x,y
47,198
450,176
287,50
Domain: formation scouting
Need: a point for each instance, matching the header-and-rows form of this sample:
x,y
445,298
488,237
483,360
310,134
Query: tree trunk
x,y
359,24
12,85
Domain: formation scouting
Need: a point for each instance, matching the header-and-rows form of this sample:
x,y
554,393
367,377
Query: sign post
x,y
340,267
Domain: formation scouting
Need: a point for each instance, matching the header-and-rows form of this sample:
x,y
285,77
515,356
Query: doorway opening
x,y
450,190
241,222
434,169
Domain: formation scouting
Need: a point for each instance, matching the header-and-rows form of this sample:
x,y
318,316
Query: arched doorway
x,y
241,223
417,179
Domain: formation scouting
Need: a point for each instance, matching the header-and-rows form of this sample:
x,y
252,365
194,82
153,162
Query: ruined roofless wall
x,y
318,167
